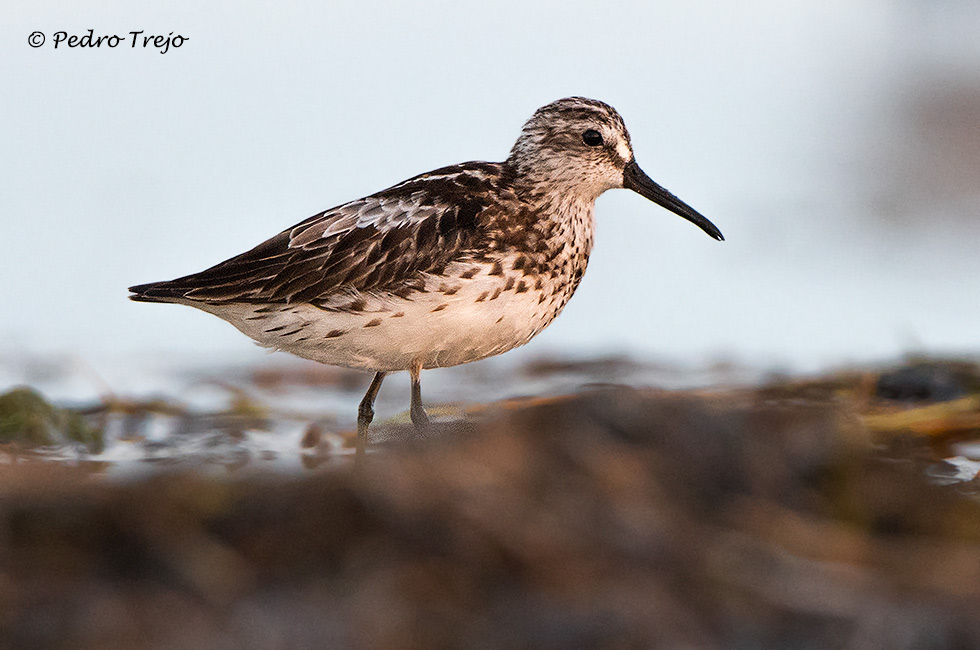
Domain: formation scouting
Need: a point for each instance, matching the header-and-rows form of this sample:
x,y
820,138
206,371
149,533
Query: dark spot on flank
x,y
538,284
483,296
521,287
332,334
496,292
448,291
542,298
259,317
358,305
497,269
404,292
441,307
397,314
469,273
373,323
499,319
509,285
291,332
519,263
275,329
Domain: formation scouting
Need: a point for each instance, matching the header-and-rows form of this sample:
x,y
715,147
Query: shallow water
x,y
287,414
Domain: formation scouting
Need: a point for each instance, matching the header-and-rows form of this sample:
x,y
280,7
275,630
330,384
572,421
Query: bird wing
x,y
385,242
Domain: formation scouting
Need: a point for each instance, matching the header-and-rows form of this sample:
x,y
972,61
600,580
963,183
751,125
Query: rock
x,y
27,419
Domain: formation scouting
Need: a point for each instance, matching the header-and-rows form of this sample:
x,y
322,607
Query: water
x,y
287,414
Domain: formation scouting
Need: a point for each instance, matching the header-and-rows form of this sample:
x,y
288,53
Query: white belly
x,y
454,321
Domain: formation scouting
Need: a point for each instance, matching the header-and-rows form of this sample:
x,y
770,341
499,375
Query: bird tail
x,y
157,292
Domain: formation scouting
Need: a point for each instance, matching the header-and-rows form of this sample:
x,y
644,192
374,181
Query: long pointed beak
x,y
634,179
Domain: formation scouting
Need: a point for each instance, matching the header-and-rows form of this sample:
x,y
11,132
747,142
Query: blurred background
x,y
836,144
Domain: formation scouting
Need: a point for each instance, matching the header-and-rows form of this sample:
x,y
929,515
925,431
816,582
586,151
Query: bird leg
x,y
419,418
365,413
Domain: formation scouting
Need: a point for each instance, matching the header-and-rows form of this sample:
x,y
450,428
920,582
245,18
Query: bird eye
x,y
592,138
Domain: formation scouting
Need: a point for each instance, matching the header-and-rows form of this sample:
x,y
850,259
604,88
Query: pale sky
x,y
778,121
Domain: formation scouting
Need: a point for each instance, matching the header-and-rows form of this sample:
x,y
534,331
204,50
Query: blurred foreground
x,y
839,512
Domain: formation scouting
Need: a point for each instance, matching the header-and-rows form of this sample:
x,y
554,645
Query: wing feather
x,y
385,242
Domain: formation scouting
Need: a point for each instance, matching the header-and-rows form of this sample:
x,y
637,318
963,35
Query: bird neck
x,y
563,212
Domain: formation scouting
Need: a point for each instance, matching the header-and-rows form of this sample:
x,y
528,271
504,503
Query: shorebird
x,y
451,266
